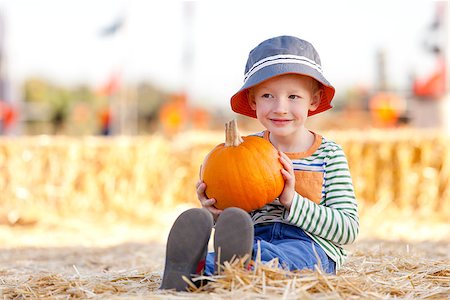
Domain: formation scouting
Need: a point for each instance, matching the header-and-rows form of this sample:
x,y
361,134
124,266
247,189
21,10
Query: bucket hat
x,y
278,56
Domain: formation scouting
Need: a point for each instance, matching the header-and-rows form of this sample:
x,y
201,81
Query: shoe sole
x,y
186,245
233,237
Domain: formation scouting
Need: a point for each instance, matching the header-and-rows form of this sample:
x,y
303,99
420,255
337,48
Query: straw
x,y
375,270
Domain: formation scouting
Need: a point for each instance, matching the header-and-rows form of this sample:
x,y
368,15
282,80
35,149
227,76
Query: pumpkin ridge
x,y
255,176
272,161
228,188
260,163
264,165
242,187
270,178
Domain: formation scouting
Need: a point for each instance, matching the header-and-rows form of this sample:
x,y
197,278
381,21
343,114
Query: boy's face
x,y
282,103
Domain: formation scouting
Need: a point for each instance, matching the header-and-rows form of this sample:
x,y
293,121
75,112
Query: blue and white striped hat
x,y
278,56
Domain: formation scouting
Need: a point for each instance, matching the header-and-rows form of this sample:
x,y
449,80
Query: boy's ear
x,y
251,100
315,100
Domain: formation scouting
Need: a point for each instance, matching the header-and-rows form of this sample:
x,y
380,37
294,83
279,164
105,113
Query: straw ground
x,y
103,258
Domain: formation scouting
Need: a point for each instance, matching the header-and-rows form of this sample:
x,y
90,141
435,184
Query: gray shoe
x,y
187,245
233,237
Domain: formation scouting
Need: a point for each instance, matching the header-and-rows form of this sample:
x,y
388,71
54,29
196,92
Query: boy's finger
x,y
208,202
286,162
215,211
287,175
282,154
201,188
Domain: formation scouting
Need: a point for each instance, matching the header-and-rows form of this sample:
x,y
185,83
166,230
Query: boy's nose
x,y
281,106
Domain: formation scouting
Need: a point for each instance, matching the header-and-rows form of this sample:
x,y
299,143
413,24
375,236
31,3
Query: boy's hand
x,y
205,202
289,181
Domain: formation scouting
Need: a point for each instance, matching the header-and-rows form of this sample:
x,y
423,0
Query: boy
x,y
317,211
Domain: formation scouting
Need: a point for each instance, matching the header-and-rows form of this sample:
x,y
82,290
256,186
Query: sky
x,y
61,41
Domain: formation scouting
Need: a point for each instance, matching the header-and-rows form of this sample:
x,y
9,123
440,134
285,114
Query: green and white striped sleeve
x,y
336,217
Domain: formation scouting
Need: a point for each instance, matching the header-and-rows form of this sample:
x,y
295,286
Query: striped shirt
x,y
324,204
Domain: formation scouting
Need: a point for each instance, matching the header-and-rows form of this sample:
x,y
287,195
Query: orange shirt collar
x,y
298,155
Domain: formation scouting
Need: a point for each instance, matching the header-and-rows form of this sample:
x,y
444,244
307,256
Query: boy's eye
x,y
293,97
267,96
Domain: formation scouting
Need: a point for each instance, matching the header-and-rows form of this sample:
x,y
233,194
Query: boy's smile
x,y
280,122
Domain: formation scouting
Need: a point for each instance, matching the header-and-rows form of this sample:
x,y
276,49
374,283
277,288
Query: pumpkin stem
x,y
232,135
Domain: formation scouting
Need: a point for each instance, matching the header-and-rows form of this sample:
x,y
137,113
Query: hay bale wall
x,y
128,176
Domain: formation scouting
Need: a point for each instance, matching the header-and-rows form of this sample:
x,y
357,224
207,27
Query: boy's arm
x,y
336,218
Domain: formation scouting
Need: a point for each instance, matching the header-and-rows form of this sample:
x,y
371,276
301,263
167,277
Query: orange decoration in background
x,y
111,87
173,115
200,118
432,87
386,108
8,115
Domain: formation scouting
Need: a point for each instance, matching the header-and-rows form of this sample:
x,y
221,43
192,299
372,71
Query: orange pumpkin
x,y
243,172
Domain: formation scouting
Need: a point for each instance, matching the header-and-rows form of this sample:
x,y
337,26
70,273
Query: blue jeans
x,y
294,249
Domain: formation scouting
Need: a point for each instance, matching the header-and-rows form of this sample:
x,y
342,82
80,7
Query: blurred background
x,y
109,107
139,67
